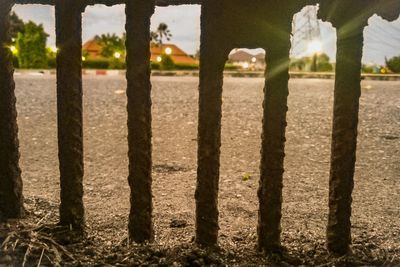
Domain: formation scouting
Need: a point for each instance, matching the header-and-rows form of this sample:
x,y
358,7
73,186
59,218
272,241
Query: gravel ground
x,y
376,211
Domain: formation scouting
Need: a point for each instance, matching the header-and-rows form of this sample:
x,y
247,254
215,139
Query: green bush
x,y
51,62
298,64
96,64
231,67
393,64
367,69
155,66
167,63
184,66
116,64
324,66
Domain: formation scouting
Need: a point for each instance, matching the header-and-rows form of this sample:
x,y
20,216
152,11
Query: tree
x,y
31,46
163,32
323,63
16,25
154,37
393,64
112,45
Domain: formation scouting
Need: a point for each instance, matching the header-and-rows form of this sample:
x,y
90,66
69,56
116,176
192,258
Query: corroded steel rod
x,y
273,144
349,21
213,58
69,108
344,138
138,15
11,199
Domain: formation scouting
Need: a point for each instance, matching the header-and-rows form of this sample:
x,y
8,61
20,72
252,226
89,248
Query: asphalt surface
x,y
376,208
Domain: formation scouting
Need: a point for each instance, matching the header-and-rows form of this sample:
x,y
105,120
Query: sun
x,y
314,47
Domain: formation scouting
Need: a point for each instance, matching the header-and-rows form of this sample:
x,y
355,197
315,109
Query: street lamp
x,y
117,55
159,59
13,49
54,49
168,51
314,48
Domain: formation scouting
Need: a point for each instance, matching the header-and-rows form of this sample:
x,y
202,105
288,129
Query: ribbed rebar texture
x,y
138,14
209,142
11,199
273,143
69,108
349,21
344,138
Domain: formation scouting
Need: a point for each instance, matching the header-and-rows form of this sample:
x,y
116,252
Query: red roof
x,y
177,54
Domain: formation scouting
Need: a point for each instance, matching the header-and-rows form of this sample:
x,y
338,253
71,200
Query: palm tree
x,y
154,37
163,32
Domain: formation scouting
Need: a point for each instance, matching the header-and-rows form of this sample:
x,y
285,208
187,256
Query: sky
x,y
382,39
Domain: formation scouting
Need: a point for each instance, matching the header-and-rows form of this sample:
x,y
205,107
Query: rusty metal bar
x,y
344,137
213,58
349,20
138,15
11,198
114,2
69,107
273,143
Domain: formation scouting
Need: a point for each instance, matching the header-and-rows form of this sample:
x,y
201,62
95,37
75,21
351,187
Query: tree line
x,y
29,46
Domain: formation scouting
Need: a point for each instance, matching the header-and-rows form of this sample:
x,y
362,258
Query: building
x,y
246,60
93,51
177,54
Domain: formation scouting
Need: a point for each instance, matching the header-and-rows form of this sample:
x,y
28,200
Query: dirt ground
x,y
376,207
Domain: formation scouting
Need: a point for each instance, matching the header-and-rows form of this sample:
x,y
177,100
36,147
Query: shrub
x,y
324,66
184,66
167,63
96,64
393,64
231,67
155,66
52,63
367,69
116,64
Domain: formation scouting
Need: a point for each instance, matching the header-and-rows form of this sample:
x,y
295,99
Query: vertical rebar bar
x,y
212,63
69,110
273,143
344,137
11,198
138,15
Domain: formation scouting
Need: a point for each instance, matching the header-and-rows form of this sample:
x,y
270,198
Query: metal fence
x,y
225,24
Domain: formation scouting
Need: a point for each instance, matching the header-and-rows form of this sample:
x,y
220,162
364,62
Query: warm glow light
x,y
54,49
246,65
254,59
117,55
314,47
159,59
168,51
13,49
83,58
